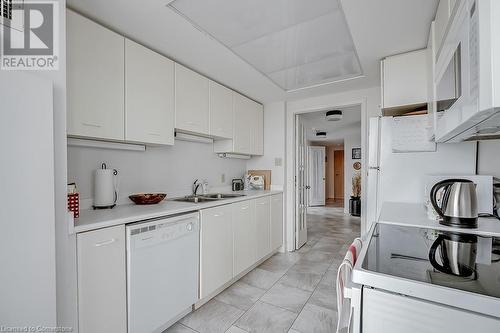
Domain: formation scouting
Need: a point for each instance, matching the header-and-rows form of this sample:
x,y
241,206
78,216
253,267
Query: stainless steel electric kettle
x,y
458,203
457,253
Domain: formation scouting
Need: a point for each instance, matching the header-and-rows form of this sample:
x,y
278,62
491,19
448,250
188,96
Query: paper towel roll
x,y
104,188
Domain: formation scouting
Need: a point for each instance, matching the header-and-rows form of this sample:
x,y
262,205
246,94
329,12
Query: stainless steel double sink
x,y
208,197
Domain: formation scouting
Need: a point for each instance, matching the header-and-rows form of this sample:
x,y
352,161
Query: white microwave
x,y
467,67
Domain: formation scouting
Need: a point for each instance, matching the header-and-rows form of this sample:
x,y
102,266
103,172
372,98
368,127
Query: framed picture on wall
x,y
356,153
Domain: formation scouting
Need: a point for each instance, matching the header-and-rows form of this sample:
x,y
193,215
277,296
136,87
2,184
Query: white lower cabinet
x,y
216,249
235,237
102,291
276,221
263,225
244,236
391,313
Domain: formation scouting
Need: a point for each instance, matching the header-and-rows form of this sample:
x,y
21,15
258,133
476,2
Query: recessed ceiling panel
x,y
295,43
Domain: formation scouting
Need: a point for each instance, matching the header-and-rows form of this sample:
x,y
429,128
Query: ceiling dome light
x,y
334,115
321,134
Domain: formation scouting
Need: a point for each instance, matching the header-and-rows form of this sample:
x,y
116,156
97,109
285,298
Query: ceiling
x,y
295,43
336,131
378,29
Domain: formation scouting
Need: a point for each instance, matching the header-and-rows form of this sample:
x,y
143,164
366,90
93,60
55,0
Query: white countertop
x,y
96,219
415,215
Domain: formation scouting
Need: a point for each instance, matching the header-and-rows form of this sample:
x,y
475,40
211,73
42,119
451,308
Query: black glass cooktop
x,y
455,260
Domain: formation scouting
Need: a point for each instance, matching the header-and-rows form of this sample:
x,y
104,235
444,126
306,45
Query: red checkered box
x,y
74,204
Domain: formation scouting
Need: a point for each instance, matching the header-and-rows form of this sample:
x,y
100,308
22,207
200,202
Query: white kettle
x,y
105,192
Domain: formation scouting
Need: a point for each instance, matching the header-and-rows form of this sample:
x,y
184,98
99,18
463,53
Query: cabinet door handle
x,y
191,123
262,203
219,215
91,125
109,241
154,134
244,208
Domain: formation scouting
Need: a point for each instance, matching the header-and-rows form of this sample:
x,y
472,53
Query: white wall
x,y
159,169
351,141
489,158
274,144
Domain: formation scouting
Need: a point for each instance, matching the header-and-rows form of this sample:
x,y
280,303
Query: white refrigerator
x,y
400,176
27,213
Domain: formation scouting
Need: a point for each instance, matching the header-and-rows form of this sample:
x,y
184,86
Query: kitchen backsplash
x,y
489,158
159,169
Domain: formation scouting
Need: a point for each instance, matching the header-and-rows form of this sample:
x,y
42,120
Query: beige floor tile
x,y
266,318
286,297
213,317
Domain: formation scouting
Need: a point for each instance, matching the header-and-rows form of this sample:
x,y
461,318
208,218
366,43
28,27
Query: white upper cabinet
x,y
404,79
221,111
258,130
243,124
95,77
149,96
191,101
248,128
441,23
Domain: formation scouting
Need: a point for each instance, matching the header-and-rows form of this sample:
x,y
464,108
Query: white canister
x,y
105,194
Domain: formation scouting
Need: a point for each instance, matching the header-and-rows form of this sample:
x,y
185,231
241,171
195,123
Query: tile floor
x,y
290,292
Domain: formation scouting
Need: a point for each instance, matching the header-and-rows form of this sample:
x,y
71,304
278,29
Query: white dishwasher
x,y
162,271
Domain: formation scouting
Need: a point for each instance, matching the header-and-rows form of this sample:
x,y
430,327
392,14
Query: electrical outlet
x,y
278,161
223,178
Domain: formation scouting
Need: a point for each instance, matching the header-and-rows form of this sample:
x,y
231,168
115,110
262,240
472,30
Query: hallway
x,y
290,292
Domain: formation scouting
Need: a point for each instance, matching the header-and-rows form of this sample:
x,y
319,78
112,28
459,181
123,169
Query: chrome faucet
x,y
196,186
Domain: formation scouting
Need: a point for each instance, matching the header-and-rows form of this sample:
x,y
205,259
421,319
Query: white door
x,y
300,184
317,176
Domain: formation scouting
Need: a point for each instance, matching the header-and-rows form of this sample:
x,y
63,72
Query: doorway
x,y
321,145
